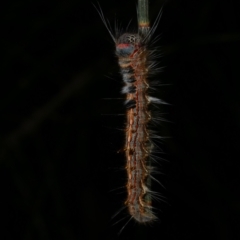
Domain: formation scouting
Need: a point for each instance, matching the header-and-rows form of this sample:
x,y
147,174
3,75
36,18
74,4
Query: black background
x,y
60,170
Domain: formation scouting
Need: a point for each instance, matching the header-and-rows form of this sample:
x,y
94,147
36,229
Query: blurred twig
x,y
41,114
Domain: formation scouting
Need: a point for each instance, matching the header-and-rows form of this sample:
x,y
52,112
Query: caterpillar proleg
x,y
136,63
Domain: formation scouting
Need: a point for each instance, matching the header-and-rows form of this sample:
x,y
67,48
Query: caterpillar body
x,y
132,58
136,63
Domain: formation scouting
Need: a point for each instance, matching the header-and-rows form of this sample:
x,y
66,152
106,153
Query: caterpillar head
x,y
126,44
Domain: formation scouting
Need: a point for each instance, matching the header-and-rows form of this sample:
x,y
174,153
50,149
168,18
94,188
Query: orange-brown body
x,y
133,60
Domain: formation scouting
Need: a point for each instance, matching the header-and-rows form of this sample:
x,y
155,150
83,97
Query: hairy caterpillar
x,y
136,63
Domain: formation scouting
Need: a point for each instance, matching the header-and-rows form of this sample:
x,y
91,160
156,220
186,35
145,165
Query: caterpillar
x,y
136,62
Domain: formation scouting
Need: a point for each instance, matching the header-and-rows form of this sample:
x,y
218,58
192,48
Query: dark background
x,y
60,172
